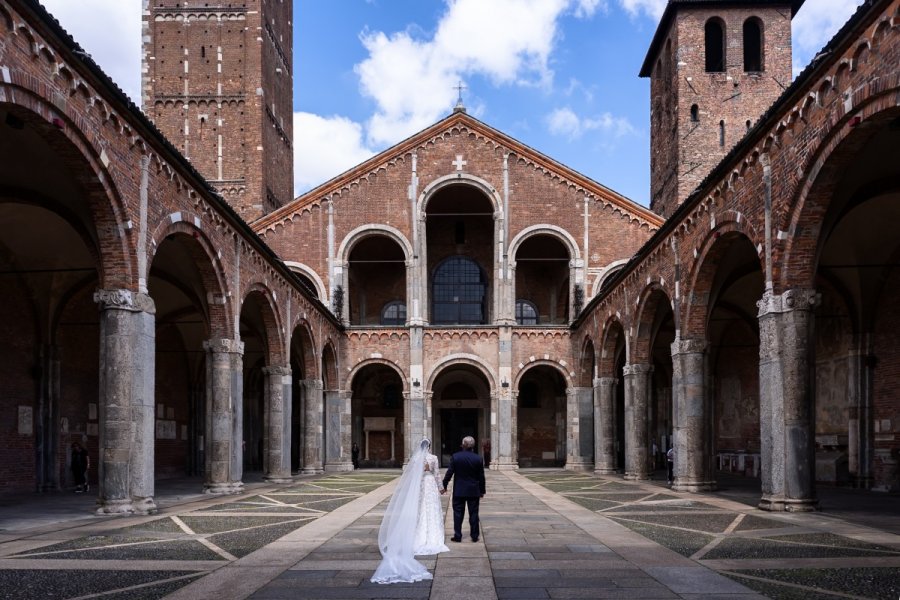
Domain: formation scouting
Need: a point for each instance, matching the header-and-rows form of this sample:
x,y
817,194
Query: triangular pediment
x,y
458,121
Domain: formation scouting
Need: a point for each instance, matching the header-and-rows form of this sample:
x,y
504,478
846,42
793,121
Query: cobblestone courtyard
x,y
546,534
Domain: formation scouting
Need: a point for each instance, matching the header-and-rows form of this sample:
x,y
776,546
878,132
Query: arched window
x,y
459,293
526,313
753,46
394,313
721,133
715,46
695,113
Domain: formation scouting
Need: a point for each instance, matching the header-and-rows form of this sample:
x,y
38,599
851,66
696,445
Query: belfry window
x,y
695,113
715,46
721,133
459,292
753,55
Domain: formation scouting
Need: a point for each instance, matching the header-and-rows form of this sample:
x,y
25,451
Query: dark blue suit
x,y
468,488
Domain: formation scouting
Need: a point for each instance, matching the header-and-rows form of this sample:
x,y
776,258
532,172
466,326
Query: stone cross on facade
x,y
459,162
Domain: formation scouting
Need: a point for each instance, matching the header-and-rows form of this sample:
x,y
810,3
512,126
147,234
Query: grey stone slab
x,y
611,593
463,588
695,580
523,593
588,548
462,567
510,555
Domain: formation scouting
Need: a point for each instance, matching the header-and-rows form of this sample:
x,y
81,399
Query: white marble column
x,y
127,432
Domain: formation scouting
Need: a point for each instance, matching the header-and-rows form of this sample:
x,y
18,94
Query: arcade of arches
x,y
451,286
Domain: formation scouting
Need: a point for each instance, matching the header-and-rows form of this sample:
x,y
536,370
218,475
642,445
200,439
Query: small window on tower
x,y
753,45
695,113
202,51
715,46
722,133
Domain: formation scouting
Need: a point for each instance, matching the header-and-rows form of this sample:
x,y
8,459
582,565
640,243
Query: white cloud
x,y
650,8
564,122
507,41
325,147
815,24
114,41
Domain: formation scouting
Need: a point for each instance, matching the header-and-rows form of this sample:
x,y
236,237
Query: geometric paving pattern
x,y
737,544
183,546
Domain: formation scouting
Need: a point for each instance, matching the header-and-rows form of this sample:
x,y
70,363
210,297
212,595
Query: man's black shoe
x,y
455,539
474,539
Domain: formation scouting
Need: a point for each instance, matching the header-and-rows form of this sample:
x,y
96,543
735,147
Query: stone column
x,y
46,421
277,414
787,400
604,425
224,387
337,407
127,402
312,434
579,428
503,401
690,417
637,402
417,425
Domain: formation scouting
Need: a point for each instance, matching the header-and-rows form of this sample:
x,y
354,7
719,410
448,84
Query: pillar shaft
x,y
637,436
579,429
313,406
337,430
786,401
691,414
224,387
276,434
604,425
127,357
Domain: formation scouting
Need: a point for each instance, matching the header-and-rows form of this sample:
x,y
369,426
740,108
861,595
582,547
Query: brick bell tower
x,y
217,81
715,66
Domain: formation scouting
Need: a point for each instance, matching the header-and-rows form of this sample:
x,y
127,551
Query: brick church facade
x,y
168,304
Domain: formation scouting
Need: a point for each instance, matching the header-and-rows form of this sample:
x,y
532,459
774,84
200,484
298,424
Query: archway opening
x,y
176,285
461,398
376,292
542,281
303,369
657,329
377,417
541,418
254,334
460,234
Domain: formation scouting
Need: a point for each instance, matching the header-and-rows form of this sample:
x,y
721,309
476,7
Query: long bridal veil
x,y
396,537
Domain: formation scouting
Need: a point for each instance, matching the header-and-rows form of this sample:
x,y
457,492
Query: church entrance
x,y
461,406
456,423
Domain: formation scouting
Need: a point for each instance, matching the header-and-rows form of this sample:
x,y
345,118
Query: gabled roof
x,y
458,118
674,6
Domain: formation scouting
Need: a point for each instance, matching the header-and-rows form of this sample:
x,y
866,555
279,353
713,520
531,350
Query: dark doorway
x,y
456,423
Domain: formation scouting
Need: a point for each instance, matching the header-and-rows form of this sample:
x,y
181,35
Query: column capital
x,y
688,346
224,346
277,370
637,369
124,300
790,300
605,382
317,384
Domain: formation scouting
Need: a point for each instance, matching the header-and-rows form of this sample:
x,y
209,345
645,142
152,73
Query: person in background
x,y
81,462
670,460
486,452
354,455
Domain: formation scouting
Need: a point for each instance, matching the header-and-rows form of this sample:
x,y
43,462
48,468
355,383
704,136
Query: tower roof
x,y
675,5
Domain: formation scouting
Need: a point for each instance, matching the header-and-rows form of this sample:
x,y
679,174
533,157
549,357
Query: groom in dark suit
x,y
468,489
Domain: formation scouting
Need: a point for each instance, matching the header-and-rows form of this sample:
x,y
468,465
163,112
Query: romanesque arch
x,y
544,259
310,279
305,396
374,279
377,413
542,414
609,416
461,394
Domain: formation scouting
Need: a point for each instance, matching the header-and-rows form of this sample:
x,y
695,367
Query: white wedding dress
x,y
412,515
430,526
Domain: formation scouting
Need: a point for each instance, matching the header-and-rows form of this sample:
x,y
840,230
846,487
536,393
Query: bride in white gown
x,y
413,523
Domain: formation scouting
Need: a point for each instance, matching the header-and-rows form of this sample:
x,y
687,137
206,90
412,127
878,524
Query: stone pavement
x,y
546,534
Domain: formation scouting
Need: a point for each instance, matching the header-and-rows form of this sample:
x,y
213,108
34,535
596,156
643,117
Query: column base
x,y
223,489
278,479
504,467
312,471
338,467
144,506
605,471
578,465
694,486
121,506
636,476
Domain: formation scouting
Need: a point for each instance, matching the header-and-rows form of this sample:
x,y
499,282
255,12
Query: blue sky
x,y
558,75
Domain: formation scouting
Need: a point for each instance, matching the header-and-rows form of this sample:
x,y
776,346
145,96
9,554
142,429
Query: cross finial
x,y
460,107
